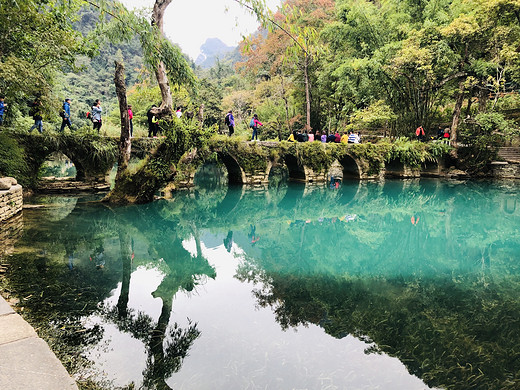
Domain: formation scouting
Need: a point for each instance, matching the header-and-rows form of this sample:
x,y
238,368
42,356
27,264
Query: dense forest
x,y
384,67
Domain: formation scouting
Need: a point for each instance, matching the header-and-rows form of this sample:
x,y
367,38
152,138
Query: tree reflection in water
x,y
424,272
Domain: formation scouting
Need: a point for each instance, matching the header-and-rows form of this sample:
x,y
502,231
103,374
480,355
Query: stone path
x,y
26,361
509,154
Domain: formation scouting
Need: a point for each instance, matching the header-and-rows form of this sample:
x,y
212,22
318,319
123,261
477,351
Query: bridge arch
x,y
394,168
295,169
431,168
236,174
351,167
80,170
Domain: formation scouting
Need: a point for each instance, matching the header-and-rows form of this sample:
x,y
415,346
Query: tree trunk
x,y
456,115
470,102
117,194
307,91
126,259
284,97
483,97
125,143
160,70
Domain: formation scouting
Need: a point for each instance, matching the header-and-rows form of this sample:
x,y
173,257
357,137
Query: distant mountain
x,y
212,49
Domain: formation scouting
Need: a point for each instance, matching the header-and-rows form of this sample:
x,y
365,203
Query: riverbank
x,y
26,361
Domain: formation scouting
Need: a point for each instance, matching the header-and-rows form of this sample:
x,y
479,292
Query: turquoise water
x,y
395,285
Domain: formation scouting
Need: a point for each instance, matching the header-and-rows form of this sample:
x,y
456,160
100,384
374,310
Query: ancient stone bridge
x,y
93,156
249,163
253,163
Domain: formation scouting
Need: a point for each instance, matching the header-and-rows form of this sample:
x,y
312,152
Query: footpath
x,y
26,361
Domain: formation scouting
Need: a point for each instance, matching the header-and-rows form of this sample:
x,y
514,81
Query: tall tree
x,y
36,40
293,38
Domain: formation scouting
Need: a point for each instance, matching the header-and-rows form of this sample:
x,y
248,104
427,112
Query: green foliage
x,y
250,156
386,65
316,155
483,138
375,154
140,185
411,153
13,159
37,40
377,115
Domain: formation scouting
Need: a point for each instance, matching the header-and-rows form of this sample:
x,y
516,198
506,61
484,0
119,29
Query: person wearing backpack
x,y
151,125
65,115
155,123
35,112
229,120
96,115
254,123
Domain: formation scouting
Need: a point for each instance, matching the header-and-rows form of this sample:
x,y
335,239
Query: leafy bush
x,y
13,160
482,138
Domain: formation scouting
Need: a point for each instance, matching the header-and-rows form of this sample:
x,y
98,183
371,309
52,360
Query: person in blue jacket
x,y
65,114
2,110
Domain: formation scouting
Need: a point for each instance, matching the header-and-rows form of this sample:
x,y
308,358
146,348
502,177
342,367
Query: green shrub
x,y
13,160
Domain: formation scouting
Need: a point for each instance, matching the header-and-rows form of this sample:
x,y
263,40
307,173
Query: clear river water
x,y
398,285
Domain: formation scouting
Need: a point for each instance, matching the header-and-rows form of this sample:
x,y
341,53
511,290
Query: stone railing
x,y
11,198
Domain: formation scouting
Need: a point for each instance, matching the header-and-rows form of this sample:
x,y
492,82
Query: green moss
x,y
250,156
316,155
13,160
414,153
161,166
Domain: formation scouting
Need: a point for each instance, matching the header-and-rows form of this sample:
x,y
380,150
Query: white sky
x,y
190,22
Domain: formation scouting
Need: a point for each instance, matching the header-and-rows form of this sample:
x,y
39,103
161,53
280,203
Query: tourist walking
x,y
254,125
96,115
3,106
229,120
65,115
130,117
35,112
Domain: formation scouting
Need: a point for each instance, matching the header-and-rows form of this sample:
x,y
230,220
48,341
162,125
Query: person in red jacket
x,y
255,123
130,117
419,132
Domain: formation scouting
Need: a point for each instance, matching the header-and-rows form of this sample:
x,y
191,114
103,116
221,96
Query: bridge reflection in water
x,y
395,284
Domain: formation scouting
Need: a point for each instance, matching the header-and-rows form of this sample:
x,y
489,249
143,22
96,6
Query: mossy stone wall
x,y
11,200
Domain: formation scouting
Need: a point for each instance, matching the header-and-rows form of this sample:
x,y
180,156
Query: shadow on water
x,y
424,271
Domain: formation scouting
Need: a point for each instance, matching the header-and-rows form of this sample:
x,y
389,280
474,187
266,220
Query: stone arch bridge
x,y
249,163
253,163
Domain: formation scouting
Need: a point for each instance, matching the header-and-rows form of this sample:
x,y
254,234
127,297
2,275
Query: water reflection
x,y
424,271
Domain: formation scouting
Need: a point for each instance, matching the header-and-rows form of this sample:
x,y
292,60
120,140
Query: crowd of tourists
x,y
296,136
344,138
95,116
